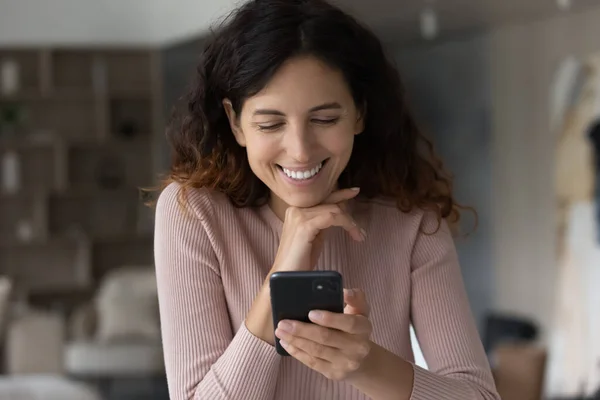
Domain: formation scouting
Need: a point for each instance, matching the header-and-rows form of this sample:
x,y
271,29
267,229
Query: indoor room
x,y
106,106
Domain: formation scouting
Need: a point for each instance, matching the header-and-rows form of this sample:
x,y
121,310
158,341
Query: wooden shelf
x,y
27,142
120,239
28,61
98,111
90,212
47,242
63,239
130,94
34,96
72,69
57,262
66,94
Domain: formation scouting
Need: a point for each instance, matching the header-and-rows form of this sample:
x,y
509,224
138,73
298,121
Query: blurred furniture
x,y
34,343
44,387
500,328
81,127
519,370
517,363
5,292
34,359
117,337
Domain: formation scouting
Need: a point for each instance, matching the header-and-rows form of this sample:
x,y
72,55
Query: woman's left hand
x,y
336,345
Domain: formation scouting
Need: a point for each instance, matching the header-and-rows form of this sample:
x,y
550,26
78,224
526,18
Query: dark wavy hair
x,y
391,158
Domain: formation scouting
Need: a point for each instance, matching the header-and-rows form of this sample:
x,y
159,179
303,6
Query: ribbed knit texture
x,y
212,259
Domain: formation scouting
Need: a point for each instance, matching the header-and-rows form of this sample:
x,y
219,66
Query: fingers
x,y
317,350
325,216
353,324
341,195
335,363
315,333
329,213
356,302
326,368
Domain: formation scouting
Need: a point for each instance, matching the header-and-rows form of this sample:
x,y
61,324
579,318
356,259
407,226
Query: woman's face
x,y
299,132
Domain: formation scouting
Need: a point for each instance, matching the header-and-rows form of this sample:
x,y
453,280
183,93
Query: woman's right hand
x,y
304,231
299,250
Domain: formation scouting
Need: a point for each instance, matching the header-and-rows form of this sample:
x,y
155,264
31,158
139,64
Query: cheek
x,y
261,150
339,142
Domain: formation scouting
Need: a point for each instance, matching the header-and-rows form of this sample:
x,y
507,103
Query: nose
x,y
299,143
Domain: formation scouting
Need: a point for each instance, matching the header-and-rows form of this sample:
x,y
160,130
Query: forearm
x,y
384,376
387,376
247,369
259,320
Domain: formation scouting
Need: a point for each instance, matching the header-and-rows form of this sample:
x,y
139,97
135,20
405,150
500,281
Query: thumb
x,y
356,302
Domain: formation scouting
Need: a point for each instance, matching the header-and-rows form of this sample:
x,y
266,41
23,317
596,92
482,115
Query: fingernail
x,y
356,189
364,233
285,326
350,292
315,315
283,343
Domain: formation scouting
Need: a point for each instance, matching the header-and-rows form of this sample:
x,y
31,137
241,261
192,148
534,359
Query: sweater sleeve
x,y
204,359
444,326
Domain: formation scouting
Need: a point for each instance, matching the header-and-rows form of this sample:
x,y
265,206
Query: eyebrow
x,y
326,106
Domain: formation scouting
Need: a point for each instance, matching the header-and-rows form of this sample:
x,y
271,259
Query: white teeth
x,y
301,175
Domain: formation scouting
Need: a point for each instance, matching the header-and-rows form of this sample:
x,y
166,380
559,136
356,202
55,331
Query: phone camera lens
x,y
319,287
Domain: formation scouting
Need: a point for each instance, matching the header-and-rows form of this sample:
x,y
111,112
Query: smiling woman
x,y
297,152
298,131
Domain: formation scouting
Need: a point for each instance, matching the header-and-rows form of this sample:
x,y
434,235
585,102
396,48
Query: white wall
x,y
184,19
105,22
523,61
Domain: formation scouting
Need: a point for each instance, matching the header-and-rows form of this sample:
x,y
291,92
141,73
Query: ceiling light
x,y
564,5
429,23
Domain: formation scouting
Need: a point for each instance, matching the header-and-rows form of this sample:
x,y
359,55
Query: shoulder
x,y
383,218
200,203
385,212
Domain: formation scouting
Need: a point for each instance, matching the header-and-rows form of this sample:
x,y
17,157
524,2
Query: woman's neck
x,y
278,206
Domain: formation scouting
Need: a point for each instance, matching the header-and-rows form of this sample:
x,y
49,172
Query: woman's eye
x,y
325,121
270,128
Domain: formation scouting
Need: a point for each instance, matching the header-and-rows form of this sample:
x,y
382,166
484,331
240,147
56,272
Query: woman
x,y
297,152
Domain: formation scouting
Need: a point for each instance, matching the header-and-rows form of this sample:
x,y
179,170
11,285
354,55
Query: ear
x,y
359,126
234,123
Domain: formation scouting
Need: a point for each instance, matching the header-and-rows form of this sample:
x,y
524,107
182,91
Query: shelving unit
x,y
84,148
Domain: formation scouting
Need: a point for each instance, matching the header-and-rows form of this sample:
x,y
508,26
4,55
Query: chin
x,y
303,200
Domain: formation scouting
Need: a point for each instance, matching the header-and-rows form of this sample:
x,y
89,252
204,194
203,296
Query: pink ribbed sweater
x,y
212,260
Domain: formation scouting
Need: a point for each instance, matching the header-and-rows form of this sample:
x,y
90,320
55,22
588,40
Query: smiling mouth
x,y
303,175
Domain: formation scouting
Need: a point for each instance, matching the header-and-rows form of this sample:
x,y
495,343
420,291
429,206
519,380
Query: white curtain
x,y
574,353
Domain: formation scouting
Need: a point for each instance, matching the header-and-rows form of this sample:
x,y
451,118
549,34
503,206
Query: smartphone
x,y
295,294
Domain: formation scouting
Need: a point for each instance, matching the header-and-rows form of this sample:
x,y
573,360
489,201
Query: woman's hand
x,y
336,345
299,249
303,231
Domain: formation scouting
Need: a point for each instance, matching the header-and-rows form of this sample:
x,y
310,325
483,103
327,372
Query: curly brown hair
x,y
391,158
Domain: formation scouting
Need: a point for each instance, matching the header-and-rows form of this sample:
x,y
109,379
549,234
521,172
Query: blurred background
x,y
509,91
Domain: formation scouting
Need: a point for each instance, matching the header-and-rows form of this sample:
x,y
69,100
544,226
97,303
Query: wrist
x,y
259,320
383,375
367,368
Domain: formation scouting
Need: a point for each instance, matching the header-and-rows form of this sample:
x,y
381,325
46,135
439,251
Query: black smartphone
x,y
295,294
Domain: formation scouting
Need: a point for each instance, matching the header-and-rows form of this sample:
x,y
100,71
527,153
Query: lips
x,y
301,174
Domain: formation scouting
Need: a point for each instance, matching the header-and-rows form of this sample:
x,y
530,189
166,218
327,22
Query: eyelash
x,y
270,128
